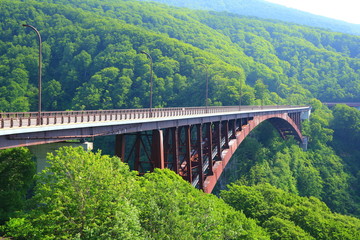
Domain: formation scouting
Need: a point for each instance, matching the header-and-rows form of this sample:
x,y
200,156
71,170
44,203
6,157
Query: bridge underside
x,y
199,152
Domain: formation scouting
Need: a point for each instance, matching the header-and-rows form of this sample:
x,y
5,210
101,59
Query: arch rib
x,y
281,121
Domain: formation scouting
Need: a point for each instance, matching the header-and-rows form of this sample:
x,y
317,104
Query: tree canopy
x,y
91,60
85,40
85,195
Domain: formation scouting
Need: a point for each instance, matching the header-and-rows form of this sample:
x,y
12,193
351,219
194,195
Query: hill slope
x,y
89,41
92,60
267,10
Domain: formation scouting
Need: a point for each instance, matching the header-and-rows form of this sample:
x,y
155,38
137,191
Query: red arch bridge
x,y
195,142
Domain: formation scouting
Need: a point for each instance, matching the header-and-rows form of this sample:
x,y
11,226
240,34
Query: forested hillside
x,y
92,60
266,10
328,170
90,49
86,195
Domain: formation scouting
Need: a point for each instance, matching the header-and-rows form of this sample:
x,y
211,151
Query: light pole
x,y
39,72
207,87
151,79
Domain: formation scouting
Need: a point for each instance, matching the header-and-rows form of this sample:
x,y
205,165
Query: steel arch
x,y
286,125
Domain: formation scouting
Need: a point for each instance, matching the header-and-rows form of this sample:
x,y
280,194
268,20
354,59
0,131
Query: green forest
x,y
92,60
267,10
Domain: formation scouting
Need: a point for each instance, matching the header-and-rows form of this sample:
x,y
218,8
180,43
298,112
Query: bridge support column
x,y
137,165
157,151
120,142
41,151
218,139
171,149
304,143
188,153
209,148
225,133
305,114
233,128
175,143
200,155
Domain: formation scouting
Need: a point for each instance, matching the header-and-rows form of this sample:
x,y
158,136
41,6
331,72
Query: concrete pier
x,y
41,151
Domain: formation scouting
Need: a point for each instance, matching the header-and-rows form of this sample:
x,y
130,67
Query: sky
x,y
346,10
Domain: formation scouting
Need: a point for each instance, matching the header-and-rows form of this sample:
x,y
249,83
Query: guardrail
x,y
31,119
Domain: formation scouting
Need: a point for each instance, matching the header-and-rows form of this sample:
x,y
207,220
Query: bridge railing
x,y
31,119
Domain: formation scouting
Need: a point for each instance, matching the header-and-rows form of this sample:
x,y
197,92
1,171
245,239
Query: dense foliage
x,y
317,172
85,195
91,61
287,216
16,173
266,10
91,57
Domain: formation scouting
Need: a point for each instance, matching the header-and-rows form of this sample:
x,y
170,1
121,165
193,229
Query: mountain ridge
x,y
267,10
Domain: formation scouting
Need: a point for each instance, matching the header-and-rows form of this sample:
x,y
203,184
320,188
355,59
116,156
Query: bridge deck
x,y
26,129
22,123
